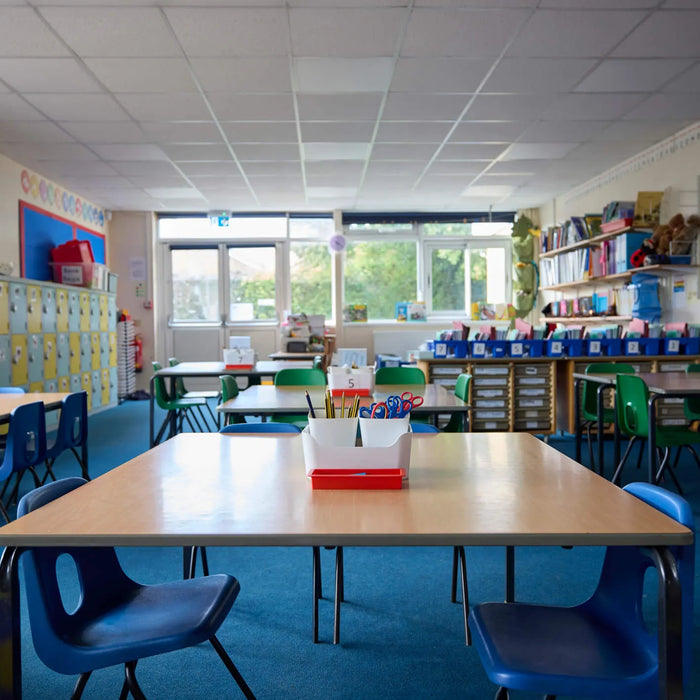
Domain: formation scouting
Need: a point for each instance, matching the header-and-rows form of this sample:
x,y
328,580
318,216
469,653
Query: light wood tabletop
x,y
278,400
464,489
8,402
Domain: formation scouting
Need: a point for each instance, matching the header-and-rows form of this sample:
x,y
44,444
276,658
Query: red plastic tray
x,y
355,479
350,392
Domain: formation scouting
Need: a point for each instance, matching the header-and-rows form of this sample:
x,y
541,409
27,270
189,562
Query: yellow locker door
x,y
49,356
112,348
84,311
74,344
4,308
104,312
33,309
64,384
95,350
86,385
36,387
62,311
20,368
104,383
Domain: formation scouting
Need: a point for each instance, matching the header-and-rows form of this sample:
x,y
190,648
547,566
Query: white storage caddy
x,y
351,380
239,358
318,456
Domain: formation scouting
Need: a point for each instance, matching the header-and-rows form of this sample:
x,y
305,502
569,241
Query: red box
x,y
616,225
73,252
355,479
92,275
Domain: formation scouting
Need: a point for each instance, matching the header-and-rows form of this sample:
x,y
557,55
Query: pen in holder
x,y
334,432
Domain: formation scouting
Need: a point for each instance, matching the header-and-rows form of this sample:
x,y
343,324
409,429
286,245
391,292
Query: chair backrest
x,y
163,397
229,387
692,403
72,428
102,581
462,386
589,401
11,390
631,396
423,428
26,439
620,590
269,428
179,381
399,375
293,376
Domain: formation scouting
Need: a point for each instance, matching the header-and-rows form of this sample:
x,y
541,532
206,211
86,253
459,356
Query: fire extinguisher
x,y
138,353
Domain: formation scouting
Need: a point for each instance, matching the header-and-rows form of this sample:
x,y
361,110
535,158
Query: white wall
x,y
674,164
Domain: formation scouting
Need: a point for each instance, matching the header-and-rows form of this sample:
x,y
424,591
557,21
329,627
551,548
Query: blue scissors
x,y
376,410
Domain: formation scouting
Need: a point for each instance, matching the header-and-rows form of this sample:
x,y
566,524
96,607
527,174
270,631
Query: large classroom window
x,y
195,285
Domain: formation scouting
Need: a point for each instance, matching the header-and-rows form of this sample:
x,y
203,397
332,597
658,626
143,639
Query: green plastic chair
x,y
691,405
301,377
180,407
229,390
633,419
399,375
589,400
183,393
458,422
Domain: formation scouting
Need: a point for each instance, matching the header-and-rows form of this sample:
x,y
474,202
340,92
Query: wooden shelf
x,y
585,319
620,276
590,242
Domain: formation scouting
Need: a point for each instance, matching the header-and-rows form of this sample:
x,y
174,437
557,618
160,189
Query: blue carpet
x,y
400,635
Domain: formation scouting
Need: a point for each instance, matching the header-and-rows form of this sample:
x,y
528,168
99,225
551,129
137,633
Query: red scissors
x,y
376,410
408,402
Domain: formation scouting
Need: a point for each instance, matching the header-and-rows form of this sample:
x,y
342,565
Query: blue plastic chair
x,y
11,390
71,434
117,621
423,428
599,649
260,428
25,447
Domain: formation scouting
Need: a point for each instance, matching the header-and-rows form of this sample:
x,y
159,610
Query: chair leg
x,y
663,470
4,512
130,675
339,593
80,685
232,668
455,564
591,453
501,694
316,591
465,594
694,453
618,470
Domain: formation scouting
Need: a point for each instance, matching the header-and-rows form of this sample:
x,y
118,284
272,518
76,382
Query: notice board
x,y
40,230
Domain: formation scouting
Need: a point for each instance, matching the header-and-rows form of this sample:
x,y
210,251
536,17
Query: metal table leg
x,y
10,631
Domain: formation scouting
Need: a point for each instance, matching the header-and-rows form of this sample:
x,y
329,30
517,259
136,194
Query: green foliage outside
x,y
251,291
311,279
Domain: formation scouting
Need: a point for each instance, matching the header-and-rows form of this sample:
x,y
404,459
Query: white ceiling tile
x,y
332,168
54,75
267,151
403,151
476,132
510,107
331,75
602,105
154,107
82,168
219,169
490,179
129,152
158,181
605,154
23,33
240,31
181,132
145,168
113,31
337,131
420,106
374,183
642,132
560,130
243,74
172,192
440,74
143,74
456,167
105,131
466,33
472,151
628,75
341,179
345,32
260,132
515,167
81,107
488,191
573,33
339,107
52,151
276,168
537,150
668,106
688,81
391,168
229,106
199,151
663,34
321,192
32,131
425,132
338,151
539,75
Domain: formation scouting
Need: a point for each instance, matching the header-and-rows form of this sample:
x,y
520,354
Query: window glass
x,y
447,274
379,274
311,227
184,227
188,227
251,283
379,228
310,273
452,229
195,280
488,275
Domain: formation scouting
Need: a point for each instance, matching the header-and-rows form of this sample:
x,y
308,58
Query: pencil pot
x,y
334,432
382,432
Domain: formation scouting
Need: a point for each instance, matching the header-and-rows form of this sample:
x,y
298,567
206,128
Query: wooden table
x,y
8,402
204,370
464,489
291,400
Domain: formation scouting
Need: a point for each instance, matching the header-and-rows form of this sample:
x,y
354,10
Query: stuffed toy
x,y
675,237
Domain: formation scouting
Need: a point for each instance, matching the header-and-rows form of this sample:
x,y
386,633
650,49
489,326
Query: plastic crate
x,y
595,347
72,252
650,346
555,348
92,275
690,346
672,346
612,347
535,348
632,346
574,347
